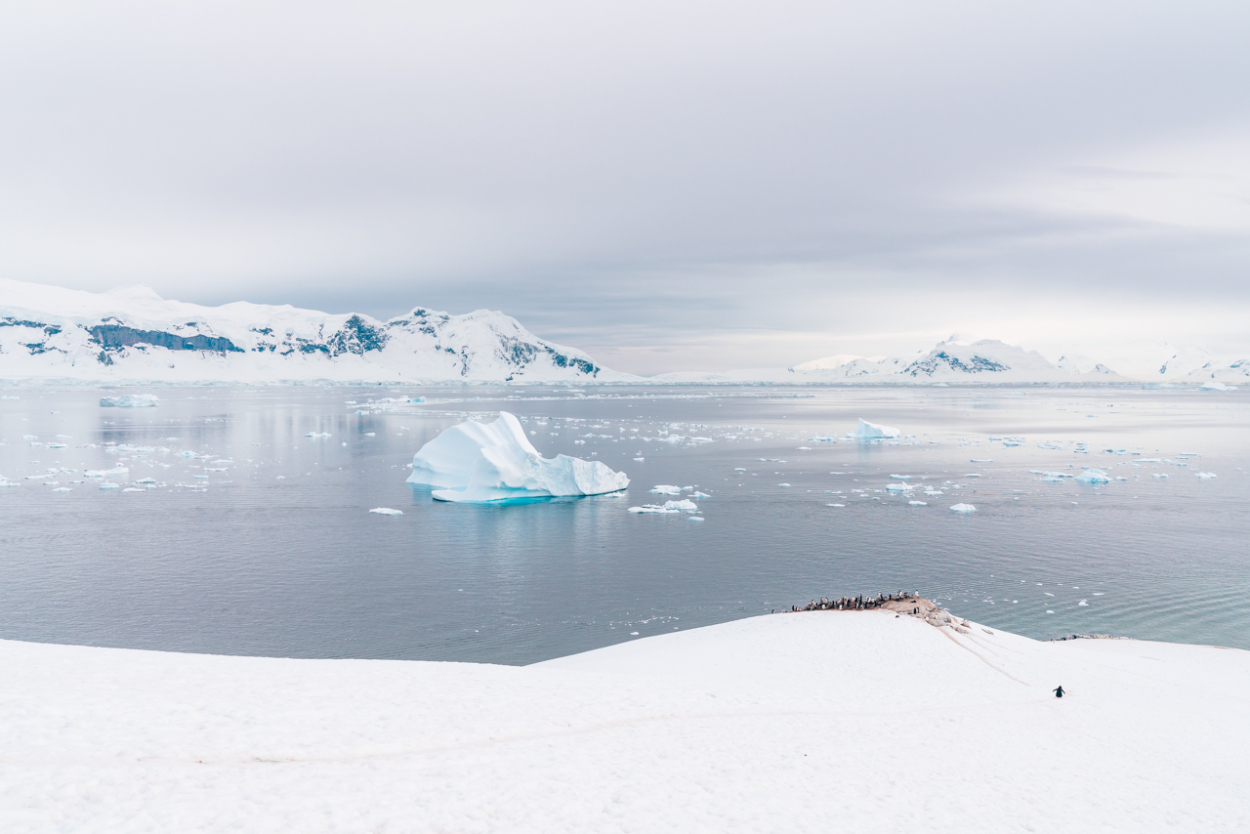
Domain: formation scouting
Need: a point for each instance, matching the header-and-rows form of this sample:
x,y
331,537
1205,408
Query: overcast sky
x,y
668,185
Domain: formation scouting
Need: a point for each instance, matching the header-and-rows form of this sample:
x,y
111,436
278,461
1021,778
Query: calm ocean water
x,y
253,537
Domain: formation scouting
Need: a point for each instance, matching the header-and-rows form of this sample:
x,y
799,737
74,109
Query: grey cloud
x,y
637,167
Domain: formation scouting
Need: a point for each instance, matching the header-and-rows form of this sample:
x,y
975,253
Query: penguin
x,y
1058,690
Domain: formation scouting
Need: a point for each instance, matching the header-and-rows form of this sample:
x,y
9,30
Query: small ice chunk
x,y
105,473
783,485
134,489
1206,476
901,477
318,435
835,505
1093,476
1215,386
1083,603
130,401
981,460
696,518
58,489
386,511
917,503
873,431
109,485
898,487
665,489
963,508
668,507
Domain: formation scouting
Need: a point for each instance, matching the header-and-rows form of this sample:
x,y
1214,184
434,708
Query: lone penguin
x,y
1058,690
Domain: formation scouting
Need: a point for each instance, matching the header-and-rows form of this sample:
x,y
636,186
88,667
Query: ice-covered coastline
x,y
875,719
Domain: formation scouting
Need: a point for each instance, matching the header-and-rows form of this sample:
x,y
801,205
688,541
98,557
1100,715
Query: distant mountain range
x,y
986,361
133,335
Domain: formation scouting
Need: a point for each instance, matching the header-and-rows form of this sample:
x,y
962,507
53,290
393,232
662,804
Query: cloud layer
x,y
667,185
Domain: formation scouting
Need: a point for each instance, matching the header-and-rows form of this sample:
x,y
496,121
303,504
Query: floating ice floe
x,y
1205,475
1216,386
483,462
130,401
918,503
318,435
697,494
682,506
835,505
1093,476
873,431
109,485
898,487
386,511
105,473
901,477
695,518
665,489
963,508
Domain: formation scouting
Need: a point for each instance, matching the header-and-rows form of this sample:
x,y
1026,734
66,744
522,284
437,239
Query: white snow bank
x,y
963,508
688,731
480,462
1093,476
130,401
873,431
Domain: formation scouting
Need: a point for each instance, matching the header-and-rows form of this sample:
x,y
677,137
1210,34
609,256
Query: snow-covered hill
x,y
132,334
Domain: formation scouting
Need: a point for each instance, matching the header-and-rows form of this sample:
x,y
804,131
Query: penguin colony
x,y
859,603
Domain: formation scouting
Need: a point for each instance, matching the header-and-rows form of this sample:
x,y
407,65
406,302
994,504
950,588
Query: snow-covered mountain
x,y
952,361
1200,365
134,335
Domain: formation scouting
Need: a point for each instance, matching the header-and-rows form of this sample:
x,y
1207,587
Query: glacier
x,y
490,462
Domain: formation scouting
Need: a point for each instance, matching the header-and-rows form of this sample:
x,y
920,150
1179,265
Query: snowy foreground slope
x,y
824,720
133,335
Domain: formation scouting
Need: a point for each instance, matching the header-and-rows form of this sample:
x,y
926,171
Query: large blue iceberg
x,y
482,462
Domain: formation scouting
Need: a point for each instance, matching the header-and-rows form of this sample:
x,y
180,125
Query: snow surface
x,y
773,723
480,462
